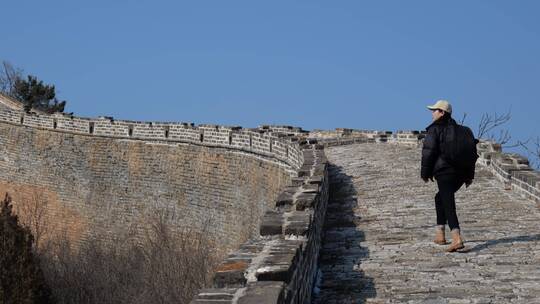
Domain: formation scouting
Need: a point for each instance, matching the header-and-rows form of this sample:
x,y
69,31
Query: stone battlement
x,y
278,143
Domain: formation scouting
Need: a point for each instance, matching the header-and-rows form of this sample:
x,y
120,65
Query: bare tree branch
x,y
533,151
8,77
504,137
462,121
489,122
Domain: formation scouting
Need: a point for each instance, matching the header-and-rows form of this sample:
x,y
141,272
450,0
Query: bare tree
x,y
33,213
489,122
32,92
21,278
8,77
533,150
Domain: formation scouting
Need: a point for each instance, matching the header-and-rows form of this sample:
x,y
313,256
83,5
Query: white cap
x,y
441,105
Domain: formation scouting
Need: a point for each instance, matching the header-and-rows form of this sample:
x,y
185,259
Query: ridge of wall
x,y
279,143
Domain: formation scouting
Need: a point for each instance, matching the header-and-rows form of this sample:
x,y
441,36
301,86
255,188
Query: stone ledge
x,y
282,266
263,293
215,296
272,223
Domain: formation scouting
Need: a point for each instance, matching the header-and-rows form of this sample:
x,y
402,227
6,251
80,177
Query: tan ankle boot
x,y
457,241
440,239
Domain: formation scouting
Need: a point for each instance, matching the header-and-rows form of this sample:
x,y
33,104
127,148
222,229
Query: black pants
x,y
445,202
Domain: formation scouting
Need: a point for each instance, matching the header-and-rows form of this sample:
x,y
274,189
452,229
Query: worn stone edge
x,y
280,265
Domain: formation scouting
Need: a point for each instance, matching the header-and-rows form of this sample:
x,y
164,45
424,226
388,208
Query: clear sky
x,y
314,64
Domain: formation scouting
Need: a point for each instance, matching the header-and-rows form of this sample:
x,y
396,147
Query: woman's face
x,y
436,114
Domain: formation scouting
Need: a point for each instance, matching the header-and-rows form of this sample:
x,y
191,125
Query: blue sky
x,y
314,64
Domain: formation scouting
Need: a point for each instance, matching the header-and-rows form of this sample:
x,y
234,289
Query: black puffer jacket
x,y
433,165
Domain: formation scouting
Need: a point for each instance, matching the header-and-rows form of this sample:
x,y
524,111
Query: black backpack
x,y
458,147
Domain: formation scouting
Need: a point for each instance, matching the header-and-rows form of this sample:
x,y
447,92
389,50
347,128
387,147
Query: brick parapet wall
x,y
512,169
296,131
350,136
267,141
280,266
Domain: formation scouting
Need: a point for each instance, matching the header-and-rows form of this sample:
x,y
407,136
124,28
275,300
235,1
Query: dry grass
x,y
149,263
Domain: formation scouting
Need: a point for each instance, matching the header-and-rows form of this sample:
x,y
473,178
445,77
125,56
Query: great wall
x,y
305,217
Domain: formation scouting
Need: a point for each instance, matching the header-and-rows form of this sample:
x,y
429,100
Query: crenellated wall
x,y
102,175
511,169
266,142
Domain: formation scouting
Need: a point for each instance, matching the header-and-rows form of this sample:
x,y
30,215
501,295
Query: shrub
x,y
21,279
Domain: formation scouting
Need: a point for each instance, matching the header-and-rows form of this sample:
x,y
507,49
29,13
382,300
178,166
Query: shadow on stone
x,y
489,243
341,280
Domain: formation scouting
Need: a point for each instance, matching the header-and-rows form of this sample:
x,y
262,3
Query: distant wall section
x,y
217,178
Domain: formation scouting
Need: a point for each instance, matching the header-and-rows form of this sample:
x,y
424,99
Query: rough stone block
x,y
290,189
298,223
307,152
272,223
284,199
302,173
250,248
278,268
305,200
298,181
311,188
280,263
216,294
319,170
263,293
316,180
231,274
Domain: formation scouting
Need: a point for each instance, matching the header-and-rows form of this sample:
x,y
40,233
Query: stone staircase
x,y
377,245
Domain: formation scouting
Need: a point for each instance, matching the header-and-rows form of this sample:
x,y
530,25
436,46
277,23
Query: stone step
x,y
377,240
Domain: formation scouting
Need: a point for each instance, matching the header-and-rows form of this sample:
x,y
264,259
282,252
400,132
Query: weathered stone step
x,y
378,248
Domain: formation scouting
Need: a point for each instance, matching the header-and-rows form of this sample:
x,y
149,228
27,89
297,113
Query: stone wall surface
x,y
106,184
103,174
281,265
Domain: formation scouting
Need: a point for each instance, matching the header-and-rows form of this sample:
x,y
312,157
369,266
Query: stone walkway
x,y
378,239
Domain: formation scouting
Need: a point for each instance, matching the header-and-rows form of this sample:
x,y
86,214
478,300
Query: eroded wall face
x,y
103,185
